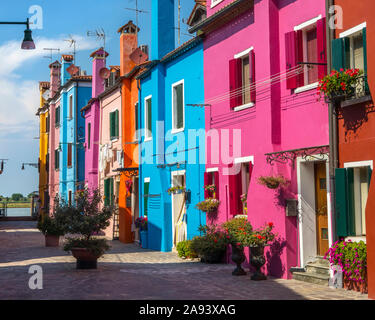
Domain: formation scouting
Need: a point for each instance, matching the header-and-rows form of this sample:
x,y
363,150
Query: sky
x,y
21,70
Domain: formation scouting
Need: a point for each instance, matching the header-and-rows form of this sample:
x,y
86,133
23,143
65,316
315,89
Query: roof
x,y
224,15
54,64
129,25
67,57
84,78
44,85
92,55
199,4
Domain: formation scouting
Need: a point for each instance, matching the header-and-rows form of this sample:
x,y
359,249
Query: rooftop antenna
x,y
72,44
50,56
137,12
178,28
99,34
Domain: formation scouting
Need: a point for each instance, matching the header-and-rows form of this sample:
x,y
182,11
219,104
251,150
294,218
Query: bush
x,y
184,250
208,205
50,226
96,246
238,230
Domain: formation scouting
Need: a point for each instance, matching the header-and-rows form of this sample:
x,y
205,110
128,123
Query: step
x,y
311,278
317,269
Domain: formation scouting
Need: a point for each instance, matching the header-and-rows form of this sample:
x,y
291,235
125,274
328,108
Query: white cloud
x,y
19,99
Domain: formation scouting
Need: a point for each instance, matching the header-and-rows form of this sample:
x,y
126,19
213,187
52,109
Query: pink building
x,y
92,120
264,119
54,135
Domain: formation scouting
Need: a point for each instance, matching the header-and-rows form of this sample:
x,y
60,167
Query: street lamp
x,y
35,165
28,42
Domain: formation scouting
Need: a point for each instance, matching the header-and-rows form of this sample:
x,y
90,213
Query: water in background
x,y
19,212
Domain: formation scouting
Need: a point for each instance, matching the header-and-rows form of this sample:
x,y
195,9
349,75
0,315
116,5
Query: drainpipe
x,y
76,137
333,137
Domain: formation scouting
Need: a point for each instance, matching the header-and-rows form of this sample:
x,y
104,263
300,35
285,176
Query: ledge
x,y
351,102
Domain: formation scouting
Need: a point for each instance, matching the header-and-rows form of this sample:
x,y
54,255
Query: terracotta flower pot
x,y
85,258
355,285
52,241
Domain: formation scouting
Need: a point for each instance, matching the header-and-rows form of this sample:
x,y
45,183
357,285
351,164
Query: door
x,y
178,209
321,208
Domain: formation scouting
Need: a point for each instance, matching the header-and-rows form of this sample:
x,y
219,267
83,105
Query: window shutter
x,y
337,54
106,192
111,191
116,123
252,76
341,202
111,125
291,59
299,54
232,82
207,181
217,183
234,194
322,47
146,192
369,170
351,210
239,93
364,37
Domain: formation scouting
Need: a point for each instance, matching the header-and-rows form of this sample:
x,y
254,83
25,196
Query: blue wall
x,y
188,67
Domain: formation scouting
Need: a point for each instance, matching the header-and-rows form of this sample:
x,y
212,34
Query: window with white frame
x,y
148,118
178,112
355,51
70,116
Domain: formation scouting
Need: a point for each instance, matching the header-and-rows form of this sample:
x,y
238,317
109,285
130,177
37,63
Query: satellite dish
x,y
73,70
138,56
104,73
46,95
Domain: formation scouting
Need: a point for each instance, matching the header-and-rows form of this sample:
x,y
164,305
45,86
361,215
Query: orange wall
x,y
357,126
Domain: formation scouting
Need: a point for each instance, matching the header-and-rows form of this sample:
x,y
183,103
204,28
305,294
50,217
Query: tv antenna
x,y
99,34
72,43
50,56
179,25
137,12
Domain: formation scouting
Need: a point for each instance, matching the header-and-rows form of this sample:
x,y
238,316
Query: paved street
x,y
128,272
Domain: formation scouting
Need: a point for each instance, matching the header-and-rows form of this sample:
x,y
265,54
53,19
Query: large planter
x,y
85,258
144,239
257,260
355,285
213,256
238,257
52,241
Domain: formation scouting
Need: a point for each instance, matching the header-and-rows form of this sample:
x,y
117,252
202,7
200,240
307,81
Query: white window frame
x,y
216,169
147,138
353,30
174,130
244,160
214,3
70,107
145,180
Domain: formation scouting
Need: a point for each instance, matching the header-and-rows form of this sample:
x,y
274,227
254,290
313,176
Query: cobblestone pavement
x,y
128,272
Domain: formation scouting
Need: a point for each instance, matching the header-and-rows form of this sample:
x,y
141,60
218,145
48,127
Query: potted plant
x,y
211,190
185,251
86,219
208,205
257,241
338,85
272,182
352,258
51,229
211,246
176,190
238,230
142,224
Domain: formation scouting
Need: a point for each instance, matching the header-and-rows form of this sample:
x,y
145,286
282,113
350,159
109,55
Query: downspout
x,y
76,136
140,174
333,137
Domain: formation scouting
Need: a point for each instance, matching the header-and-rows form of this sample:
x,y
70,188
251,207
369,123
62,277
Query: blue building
x,y
75,93
172,146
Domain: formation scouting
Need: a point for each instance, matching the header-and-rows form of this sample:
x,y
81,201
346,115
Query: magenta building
x,y
262,62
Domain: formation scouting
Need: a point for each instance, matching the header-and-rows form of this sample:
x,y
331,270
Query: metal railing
x,y
359,89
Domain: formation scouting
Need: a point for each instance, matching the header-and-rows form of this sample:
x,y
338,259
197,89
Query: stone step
x,y
311,278
318,269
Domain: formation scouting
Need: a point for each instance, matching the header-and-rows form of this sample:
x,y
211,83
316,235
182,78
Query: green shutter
x,y
369,172
364,37
337,54
351,204
111,192
341,202
116,124
146,192
180,106
149,116
106,192
111,125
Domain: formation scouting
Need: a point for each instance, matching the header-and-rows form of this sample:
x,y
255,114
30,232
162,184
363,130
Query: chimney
x,y
163,32
128,43
55,70
67,61
99,61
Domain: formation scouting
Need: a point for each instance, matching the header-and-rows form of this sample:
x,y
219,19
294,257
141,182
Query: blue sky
x,y
20,71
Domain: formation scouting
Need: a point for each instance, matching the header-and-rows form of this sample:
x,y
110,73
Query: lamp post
x,y
35,165
27,43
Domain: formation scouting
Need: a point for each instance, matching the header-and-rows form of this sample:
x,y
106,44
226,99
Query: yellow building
x,y
43,146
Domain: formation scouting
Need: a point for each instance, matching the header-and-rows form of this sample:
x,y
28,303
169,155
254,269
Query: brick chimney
x,y
128,43
99,61
55,74
67,61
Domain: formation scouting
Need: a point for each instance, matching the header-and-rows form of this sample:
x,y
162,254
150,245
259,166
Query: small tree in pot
x,y
51,229
86,220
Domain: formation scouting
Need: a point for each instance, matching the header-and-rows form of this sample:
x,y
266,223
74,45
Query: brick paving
x,y
129,272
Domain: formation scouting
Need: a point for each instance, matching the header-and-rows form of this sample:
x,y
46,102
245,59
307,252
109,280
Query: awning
x,y
310,153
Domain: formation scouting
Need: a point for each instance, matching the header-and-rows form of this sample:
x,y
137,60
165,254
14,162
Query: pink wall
x,y
279,120
54,140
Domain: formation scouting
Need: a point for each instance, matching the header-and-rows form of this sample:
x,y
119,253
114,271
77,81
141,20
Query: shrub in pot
x,y
185,251
211,246
272,182
208,205
85,219
51,228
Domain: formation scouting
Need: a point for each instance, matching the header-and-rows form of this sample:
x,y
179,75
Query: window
x,y
306,44
114,125
47,124
47,162
148,118
70,107
57,159
146,190
136,122
89,135
352,186
242,80
211,178
57,117
178,106
70,155
108,192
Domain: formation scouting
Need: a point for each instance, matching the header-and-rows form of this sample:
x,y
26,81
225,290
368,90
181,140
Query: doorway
x,y
321,208
179,227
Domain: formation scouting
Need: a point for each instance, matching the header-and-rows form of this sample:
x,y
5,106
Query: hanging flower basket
x,y
209,205
176,190
272,182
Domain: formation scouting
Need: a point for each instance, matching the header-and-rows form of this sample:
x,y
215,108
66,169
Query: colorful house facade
x,y
168,157
263,119
355,184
